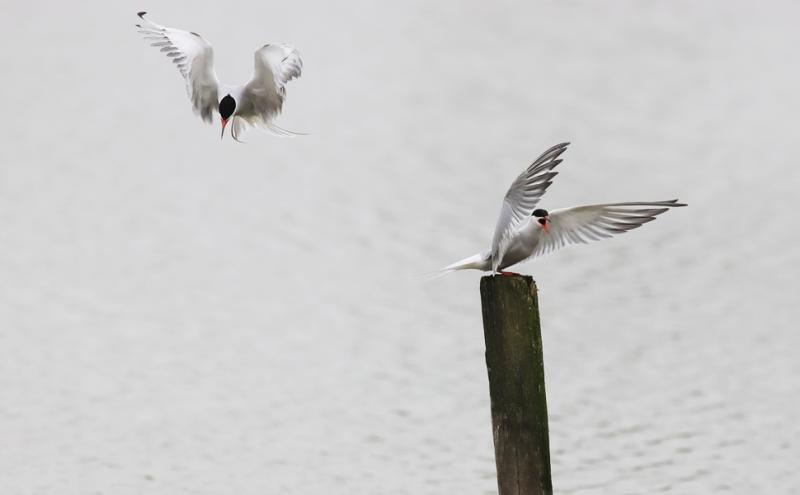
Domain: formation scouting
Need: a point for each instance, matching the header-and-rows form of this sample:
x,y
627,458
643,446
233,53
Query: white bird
x,y
256,103
524,231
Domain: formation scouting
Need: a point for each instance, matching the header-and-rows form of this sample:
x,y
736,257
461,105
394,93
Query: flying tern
x,y
255,103
524,231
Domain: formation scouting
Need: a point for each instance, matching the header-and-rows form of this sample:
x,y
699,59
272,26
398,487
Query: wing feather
x,y
275,65
194,58
522,197
582,224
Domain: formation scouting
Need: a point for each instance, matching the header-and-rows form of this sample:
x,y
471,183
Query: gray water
x,y
181,315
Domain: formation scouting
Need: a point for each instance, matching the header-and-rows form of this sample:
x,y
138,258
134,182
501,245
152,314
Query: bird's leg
x,y
508,274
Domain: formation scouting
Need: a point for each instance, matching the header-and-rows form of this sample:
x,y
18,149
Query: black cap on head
x,y
540,213
226,107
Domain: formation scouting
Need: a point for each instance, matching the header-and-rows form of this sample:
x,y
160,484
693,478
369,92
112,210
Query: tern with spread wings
x,y
524,231
256,103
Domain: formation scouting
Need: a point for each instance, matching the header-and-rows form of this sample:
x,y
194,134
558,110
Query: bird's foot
x,y
508,274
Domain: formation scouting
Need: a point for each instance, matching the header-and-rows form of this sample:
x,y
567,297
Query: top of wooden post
x,y
514,282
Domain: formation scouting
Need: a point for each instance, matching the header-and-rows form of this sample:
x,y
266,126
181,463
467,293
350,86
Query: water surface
x,y
180,315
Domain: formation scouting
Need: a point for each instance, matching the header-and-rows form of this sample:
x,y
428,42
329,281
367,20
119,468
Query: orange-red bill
x,y
546,226
224,123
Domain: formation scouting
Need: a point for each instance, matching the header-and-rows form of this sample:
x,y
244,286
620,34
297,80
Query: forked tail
x,y
272,128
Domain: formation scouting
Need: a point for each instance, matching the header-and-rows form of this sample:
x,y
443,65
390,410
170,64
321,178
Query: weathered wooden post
x,y
516,384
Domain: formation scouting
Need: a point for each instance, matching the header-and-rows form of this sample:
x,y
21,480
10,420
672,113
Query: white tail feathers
x,y
241,124
271,128
480,261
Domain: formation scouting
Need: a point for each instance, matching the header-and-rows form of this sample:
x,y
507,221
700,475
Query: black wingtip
x,y
141,14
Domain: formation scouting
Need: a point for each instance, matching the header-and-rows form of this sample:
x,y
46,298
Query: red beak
x,y
224,123
546,226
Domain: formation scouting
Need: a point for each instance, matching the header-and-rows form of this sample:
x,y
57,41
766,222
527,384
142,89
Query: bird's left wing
x,y
582,224
275,65
522,197
195,60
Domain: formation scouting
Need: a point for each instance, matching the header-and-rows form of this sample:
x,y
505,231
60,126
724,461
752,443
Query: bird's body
x,y
255,103
523,232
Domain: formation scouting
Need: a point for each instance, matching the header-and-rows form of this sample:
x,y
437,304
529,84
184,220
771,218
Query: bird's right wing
x,y
522,197
195,60
581,224
275,65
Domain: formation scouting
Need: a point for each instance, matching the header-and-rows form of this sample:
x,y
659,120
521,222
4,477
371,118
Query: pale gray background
x,y
182,315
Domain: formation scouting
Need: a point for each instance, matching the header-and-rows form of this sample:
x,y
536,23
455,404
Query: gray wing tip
x,y
141,14
550,156
560,147
672,203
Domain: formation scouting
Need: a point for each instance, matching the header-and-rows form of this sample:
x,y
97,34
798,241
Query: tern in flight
x,y
255,103
524,231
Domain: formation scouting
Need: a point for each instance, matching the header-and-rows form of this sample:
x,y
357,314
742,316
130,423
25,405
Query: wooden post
x,y
516,385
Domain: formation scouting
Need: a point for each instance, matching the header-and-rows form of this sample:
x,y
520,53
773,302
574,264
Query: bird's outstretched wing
x,y
195,60
522,197
275,65
581,224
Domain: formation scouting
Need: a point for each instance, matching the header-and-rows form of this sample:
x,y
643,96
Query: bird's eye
x,y
542,221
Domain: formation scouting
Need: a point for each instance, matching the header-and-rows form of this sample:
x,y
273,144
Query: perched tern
x,y
256,103
524,231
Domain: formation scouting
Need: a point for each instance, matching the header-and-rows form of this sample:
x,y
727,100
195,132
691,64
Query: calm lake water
x,y
180,315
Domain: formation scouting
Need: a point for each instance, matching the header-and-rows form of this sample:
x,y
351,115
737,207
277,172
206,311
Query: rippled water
x,y
184,316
